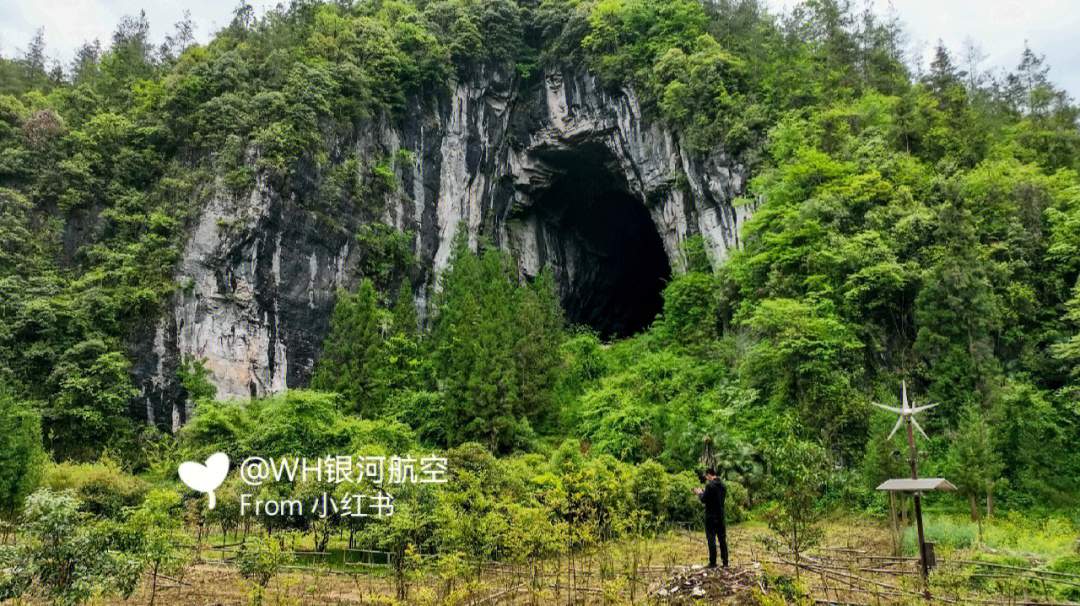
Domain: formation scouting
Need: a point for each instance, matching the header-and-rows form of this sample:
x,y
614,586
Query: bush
x,y
683,504
649,487
295,422
260,559
738,501
103,487
64,555
690,315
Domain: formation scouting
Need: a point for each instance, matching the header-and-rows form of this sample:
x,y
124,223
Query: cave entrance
x,y
613,262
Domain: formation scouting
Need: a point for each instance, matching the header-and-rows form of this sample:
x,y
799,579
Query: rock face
x,y
567,175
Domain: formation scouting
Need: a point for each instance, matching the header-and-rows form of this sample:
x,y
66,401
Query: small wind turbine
x,y
907,413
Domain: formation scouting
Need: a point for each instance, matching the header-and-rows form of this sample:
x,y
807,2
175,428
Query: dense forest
x,y
909,224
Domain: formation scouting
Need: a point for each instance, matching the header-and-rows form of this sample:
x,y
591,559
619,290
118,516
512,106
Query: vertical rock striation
x,y
541,171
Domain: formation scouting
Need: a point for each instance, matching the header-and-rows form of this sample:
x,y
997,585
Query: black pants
x,y
715,529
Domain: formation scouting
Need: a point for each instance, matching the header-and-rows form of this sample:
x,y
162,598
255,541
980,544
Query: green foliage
x,y
259,560
495,348
649,489
974,465
1049,539
641,400
690,314
156,536
903,233
103,488
22,457
193,377
294,422
352,355
65,557
385,254
93,393
403,356
918,229
663,49
796,480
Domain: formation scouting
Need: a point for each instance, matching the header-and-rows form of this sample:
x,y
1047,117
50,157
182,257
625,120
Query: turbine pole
x,y
914,460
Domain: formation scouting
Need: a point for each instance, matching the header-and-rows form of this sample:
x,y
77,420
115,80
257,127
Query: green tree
x,y
957,312
690,308
473,347
973,464
402,354
796,479
405,311
89,410
495,348
799,362
538,336
352,355
22,457
157,536
66,557
260,560
1068,351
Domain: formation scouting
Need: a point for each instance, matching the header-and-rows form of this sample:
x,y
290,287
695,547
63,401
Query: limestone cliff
x,y
566,174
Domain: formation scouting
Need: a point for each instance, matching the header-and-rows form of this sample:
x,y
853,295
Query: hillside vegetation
x,y
922,227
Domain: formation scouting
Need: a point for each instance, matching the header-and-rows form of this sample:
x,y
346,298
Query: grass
x,y
1044,541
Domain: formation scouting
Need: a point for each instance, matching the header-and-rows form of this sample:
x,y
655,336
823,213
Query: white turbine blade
x,y
924,407
888,408
916,424
899,422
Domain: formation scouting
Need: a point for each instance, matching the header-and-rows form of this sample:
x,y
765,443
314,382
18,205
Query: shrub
x,y
738,501
259,560
690,315
650,490
103,487
683,504
65,556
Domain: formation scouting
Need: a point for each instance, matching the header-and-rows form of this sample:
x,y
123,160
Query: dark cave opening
x,y
613,262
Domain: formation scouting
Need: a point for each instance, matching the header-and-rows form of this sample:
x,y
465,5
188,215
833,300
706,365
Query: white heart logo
x,y
206,478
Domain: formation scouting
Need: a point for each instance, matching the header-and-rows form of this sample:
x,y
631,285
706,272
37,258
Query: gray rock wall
x,y
260,272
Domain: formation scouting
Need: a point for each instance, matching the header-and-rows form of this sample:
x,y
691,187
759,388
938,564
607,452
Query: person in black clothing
x,y
713,498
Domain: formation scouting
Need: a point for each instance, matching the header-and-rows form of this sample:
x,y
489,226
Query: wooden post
x,y
892,524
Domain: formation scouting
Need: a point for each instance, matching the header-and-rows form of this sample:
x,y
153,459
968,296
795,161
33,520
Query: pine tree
x,y
538,327
35,54
84,68
352,356
402,351
474,347
942,73
974,466
1068,351
405,311
957,312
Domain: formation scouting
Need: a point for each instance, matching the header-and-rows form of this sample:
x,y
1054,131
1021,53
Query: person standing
x,y
712,496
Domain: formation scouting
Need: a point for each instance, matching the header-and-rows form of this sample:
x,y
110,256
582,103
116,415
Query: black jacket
x,y
713,498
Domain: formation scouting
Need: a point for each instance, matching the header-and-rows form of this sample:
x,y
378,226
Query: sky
x,y
998,27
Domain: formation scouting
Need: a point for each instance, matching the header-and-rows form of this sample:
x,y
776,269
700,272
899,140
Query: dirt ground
x,y
660,560
856,565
